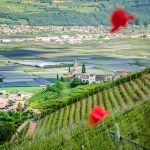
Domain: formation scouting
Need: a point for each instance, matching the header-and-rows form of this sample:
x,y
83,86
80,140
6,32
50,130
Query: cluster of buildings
x,y
62,39
68,39
13,29
12,101
78,33
96,78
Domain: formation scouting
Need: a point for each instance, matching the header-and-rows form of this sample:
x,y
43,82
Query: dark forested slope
x,y
69,12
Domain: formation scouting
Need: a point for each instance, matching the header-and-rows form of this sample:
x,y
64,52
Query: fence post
x,y
118,137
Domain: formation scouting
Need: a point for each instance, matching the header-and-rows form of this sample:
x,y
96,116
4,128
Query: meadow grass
x,y
22,89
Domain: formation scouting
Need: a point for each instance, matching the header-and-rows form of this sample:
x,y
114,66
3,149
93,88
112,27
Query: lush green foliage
x,y
77,82
9,121
56,88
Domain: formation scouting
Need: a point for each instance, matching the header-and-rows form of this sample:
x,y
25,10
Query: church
x,y
75,69
82,76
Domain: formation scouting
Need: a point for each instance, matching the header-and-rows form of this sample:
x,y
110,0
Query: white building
x,y
88,78
92,78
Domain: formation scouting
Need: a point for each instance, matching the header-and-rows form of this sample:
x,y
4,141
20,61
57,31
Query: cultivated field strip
x,y
112,99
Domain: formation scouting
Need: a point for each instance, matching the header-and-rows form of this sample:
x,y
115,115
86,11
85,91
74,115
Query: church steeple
x,y
75,68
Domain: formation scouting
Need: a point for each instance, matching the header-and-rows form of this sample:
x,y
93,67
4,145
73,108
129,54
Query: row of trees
x,y
46,1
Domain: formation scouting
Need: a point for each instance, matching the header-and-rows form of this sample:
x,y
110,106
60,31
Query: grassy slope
x,y
133,124
67,13
121,98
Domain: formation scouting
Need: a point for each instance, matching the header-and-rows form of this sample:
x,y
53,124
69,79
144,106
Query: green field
x,y
98,57
22,89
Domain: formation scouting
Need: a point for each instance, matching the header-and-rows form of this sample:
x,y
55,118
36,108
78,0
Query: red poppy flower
x,y
96,115
120,18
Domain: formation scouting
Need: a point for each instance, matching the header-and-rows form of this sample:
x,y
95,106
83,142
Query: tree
x,y
6,131
75,82
56,88
83,68
59,86
145,24
137,22
57,76
69,69
19,105
62,79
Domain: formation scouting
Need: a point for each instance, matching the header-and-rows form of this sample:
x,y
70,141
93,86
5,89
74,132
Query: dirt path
x,y
31,129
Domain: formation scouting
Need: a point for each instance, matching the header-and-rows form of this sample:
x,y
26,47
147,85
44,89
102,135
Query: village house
x,y
17,98
91,78
20,96
120,73
3,102
103,78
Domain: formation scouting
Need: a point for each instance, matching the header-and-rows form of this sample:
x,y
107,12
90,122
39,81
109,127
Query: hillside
x,y
68,13
114,99
49,100
66,122
133,125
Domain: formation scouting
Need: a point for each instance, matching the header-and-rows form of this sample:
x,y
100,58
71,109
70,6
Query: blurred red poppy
x,y
96,115
120,18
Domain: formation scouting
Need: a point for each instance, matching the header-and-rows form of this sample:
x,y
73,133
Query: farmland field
x,y
20,89
99,56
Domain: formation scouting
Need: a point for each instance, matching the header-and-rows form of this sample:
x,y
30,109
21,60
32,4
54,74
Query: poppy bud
x,y
96,115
